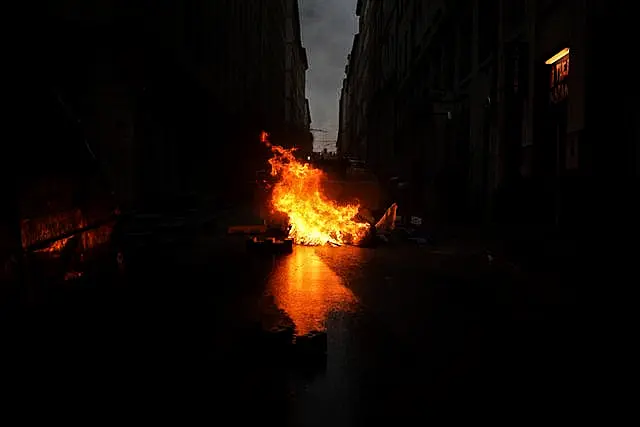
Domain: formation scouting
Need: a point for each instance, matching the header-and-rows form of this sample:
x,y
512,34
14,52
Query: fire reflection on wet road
x,y
411,334
308,290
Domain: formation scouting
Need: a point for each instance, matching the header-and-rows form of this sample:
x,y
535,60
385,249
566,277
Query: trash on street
x,y
247,229
270,245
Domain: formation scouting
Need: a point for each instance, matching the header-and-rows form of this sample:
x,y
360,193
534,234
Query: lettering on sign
x,y
559,90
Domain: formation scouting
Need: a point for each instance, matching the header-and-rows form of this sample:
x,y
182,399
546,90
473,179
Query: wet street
x,y
413,334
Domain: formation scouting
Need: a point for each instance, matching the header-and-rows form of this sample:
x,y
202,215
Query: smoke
x,y
328,27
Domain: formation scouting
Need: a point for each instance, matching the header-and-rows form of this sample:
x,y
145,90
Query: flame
x,y
35,230
95,237
264,137
313,218
56,247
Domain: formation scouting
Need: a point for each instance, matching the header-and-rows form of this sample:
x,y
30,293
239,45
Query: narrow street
x,y
413,333
450,201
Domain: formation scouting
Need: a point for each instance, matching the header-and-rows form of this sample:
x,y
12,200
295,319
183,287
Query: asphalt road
x,y
414,334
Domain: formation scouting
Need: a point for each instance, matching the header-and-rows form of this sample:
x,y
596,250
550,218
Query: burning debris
x,y
270,245
388,221
313,218
62,245
35,232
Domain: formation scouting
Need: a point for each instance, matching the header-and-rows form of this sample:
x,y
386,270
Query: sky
x,y
328,27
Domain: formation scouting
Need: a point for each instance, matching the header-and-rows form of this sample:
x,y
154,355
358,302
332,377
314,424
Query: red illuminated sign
x,y
559,89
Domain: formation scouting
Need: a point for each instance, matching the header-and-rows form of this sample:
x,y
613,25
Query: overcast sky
x,y
328,27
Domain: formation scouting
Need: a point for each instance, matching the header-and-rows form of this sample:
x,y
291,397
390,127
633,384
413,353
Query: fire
x,y
313,218
36,230
56,247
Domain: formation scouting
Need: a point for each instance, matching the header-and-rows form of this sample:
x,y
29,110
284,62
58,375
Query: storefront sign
x,y
559,90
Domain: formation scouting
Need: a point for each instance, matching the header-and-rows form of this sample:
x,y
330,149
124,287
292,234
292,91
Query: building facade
x,y
147,102
165,93
484,106
297,114
342,141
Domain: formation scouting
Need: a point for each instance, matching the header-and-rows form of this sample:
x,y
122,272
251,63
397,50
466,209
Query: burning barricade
x,y
313,218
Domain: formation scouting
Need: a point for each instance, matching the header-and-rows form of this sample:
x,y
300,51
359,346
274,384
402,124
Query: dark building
x,y
141,100
166,91
492,109
297,114
342,143
161,87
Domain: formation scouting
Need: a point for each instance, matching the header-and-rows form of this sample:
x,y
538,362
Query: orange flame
x,y
35,230
314,219
264,137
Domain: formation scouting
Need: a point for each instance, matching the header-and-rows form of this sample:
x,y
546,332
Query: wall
x,y
166,93
482,61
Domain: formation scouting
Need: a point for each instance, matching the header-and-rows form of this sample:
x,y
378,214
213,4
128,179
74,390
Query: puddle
x,y
308,290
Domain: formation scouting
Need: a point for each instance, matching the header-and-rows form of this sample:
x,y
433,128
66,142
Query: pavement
x,y
415,334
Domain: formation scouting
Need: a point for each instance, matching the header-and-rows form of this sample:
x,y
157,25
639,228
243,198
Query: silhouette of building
x,y
462,100
342,142
297,114
124,103
171,97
